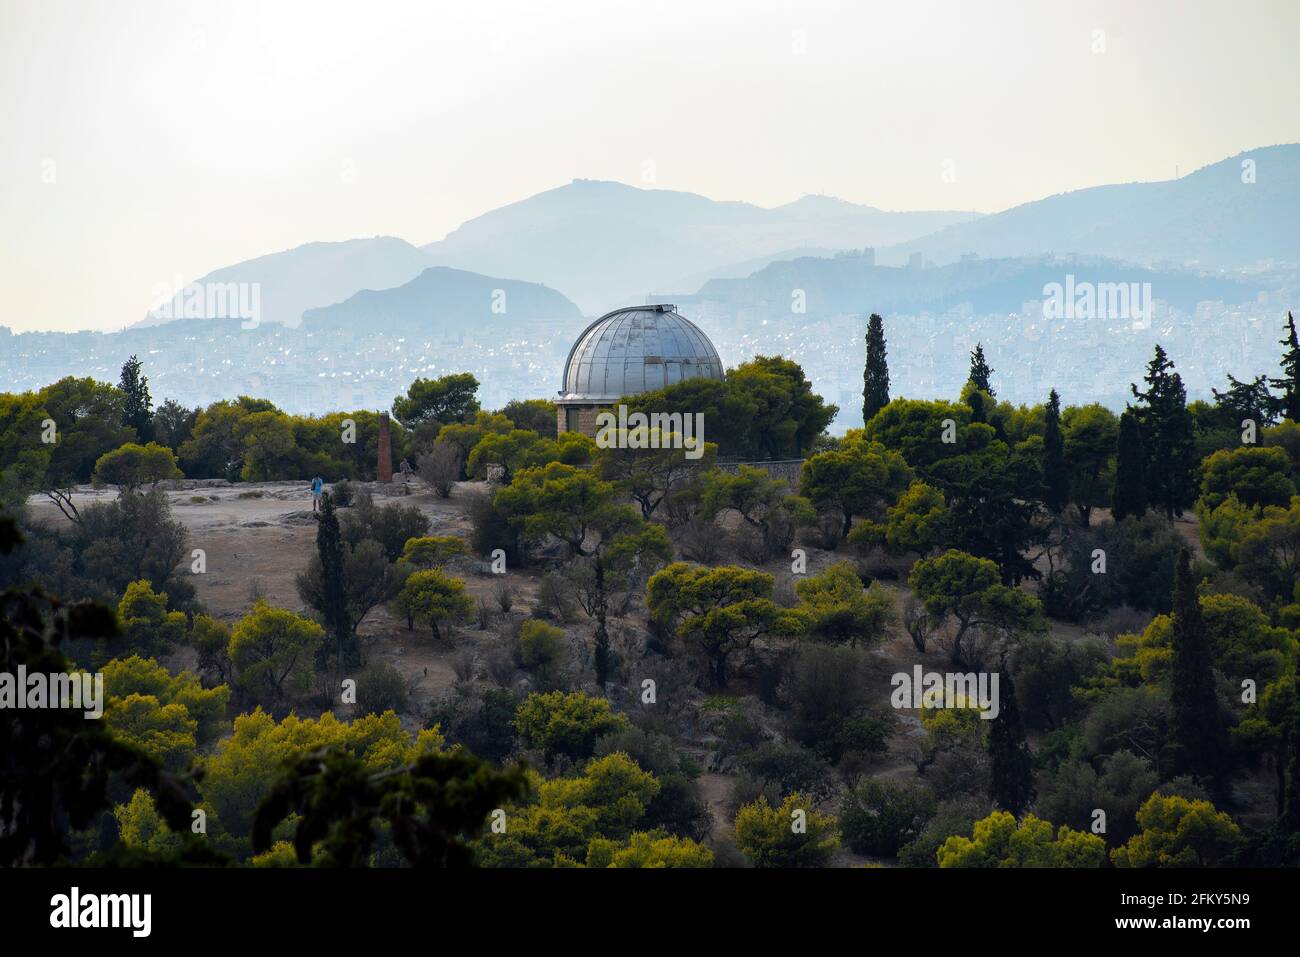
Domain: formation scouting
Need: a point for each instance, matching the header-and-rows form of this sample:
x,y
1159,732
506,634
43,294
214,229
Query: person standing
x,y
317,486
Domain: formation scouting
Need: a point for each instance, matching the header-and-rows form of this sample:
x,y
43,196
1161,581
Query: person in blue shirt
x,y
317,486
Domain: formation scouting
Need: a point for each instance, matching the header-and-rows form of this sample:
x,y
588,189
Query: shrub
x,y
880,816
792,835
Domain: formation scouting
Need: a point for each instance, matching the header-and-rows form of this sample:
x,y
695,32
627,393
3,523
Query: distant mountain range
x,y
606,244
444,299
602,245
1233,213
852,284
315,274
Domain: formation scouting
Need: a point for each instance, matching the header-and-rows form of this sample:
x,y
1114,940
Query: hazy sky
x,y
148,140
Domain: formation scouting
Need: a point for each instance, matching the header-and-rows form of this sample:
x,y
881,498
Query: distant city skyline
x,y
148,140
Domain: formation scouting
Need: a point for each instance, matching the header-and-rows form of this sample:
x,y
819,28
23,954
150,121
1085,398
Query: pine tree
x,y
1198,739
980,372
1012,764
1289,402
875,378
1247,400
1168,436
1130,494
1056,478
137,411
329,544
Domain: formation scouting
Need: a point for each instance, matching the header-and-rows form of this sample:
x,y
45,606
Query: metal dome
x,y
633,350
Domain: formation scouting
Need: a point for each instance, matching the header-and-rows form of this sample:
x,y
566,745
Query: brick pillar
x,y
384,473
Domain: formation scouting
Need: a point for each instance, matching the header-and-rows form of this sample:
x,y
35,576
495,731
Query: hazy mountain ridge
x,y
605,244
316,274
444,299
849,284
1209,217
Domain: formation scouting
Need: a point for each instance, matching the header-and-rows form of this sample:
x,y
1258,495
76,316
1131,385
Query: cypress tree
x,y
1168,435
137,411
980,372
1197,736
329,544
1130,494
1056,478
1289,402
875,378
1012,784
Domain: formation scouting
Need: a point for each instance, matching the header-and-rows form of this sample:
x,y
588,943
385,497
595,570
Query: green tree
x,y
173,423
967,589
568,724
980,372
917,523
649,849
272,651
916,430
137,409
432,551
1177,832
1168,437
858,478
875,376
59,768
87,417
1091,433
1010,761
999,841
835,607
792,835
652,476
1056,475
1131,496
245,766
147,625
1246,401
542,647
332,593
133,465
536,415
761,501
584,512
433,807
716,611
1197,736
1288,404
433,598
1257,476
879,815
789,416
450,398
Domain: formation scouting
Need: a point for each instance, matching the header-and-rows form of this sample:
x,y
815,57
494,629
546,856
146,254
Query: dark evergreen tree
x,y
1247,400
1288,404
1168,437
875,378
980,372
137,411
334,608
1129,497
1056,477
1011,763
1198,739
